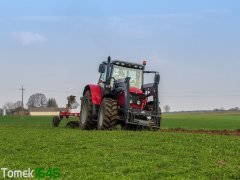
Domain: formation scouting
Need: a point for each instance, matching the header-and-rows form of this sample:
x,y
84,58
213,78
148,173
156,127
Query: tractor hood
x,y
134,90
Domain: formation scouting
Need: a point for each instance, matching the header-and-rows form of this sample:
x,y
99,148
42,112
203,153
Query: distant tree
x,y
8,106
221,109
11,105
237,109
166,108
52,103
37,100
234,109
1,112
17,104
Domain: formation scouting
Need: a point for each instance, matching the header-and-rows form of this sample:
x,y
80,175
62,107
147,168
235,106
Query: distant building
x,y
45,111
17,112
14,112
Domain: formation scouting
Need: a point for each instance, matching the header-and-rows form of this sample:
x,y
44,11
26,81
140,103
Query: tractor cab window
x,y
102,79
120,72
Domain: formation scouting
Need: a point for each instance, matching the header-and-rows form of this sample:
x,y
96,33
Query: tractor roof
x,y
128,64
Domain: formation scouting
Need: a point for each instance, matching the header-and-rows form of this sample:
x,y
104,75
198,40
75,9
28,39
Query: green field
x,y
32,142
218,121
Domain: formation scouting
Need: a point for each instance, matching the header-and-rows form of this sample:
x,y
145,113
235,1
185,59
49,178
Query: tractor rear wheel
x,y
86,119
107,116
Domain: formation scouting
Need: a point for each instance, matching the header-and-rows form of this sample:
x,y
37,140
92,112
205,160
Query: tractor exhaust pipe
x,y
127,97
109,59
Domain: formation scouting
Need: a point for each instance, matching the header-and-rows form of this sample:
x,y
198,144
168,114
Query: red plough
x,y
72,104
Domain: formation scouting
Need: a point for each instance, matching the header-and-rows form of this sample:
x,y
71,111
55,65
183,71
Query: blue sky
x,y
55,47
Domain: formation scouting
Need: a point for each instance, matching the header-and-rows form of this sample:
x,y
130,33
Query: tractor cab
x,y
118,71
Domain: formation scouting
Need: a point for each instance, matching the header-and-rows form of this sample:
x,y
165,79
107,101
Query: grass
x,y
32,142
211,121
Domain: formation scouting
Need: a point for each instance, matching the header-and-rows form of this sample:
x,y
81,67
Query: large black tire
x,y
107,116
86,114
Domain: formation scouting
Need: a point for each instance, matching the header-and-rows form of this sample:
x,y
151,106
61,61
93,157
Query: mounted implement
x,y
121,97
72,104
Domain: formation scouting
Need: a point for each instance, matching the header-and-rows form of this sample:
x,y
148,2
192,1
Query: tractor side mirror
x,y
102,68
157,78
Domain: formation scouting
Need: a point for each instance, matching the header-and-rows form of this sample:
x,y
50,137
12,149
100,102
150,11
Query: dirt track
x,y
201,131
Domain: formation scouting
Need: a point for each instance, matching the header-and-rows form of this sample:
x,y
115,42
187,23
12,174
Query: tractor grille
x,y
134,98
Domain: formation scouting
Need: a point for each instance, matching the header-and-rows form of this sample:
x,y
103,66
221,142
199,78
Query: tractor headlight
x,y
149,118
139,103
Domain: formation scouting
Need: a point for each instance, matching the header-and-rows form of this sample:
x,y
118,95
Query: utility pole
x,y
22,89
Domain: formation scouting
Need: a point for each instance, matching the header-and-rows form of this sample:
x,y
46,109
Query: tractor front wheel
x,y
107,116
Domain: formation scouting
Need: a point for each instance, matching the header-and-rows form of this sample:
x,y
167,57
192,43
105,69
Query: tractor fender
x,y
95,92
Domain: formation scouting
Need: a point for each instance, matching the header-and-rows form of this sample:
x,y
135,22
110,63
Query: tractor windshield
x,y
120,72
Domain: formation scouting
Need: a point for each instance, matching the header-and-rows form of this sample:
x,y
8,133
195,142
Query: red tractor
x,y
121,97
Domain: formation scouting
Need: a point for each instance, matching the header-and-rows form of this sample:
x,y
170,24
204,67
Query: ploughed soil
x,y
202,131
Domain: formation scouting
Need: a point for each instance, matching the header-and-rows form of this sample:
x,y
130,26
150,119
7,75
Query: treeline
x,y
37,100
235,109
231,109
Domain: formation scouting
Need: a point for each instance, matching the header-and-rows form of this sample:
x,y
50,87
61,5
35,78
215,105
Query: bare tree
x,y
234,109
8,105
52,103
17,104
37,100
166,108
11,105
